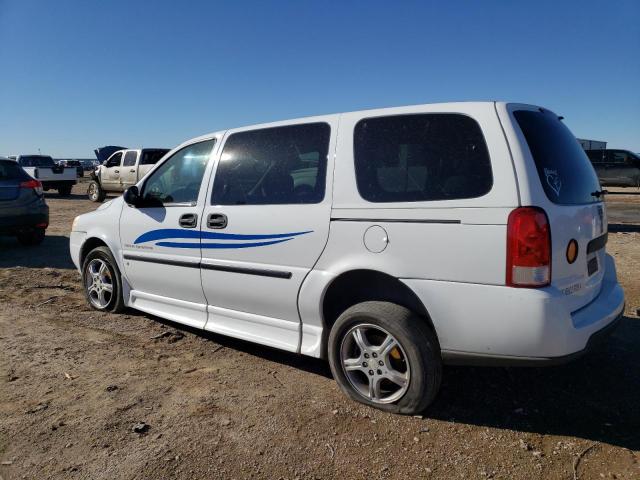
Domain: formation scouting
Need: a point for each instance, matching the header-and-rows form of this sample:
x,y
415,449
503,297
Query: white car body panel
x,y
449,253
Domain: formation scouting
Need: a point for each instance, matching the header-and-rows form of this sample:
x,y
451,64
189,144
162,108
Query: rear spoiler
x,y
103,153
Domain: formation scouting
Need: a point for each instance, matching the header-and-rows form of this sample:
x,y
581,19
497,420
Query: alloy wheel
x,y
375,363
99,283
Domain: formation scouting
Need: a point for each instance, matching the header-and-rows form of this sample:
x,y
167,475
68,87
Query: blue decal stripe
x,y
176,233
220,245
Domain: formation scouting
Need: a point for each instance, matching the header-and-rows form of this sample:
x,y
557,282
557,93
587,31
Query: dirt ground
x,y
75,385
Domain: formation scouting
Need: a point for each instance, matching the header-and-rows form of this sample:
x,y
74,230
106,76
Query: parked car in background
x,y
387,241
616,168
51,175
121,170
89,165
73,163
23,210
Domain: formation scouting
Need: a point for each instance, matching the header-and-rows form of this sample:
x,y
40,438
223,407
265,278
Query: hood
x,y
103,153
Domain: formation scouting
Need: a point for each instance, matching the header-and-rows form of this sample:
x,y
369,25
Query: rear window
x,y
567,176
11,170
596,156
151,157
36,161
411,158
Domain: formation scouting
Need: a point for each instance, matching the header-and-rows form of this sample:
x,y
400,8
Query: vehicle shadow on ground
x,y
53,252
594,397
301,362
623,228
74,196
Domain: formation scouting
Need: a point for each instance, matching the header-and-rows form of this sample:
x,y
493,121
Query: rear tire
x,y
31,237
102,281
95,192
65,190
369,374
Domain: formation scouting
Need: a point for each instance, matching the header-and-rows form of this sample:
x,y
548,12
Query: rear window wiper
x,y
599,193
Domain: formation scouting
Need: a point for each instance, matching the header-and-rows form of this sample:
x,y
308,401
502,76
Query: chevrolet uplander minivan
x,y
389,242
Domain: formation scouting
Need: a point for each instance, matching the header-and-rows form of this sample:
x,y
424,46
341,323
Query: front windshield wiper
x,y
599,193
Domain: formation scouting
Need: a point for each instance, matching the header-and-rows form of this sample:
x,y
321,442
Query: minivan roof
x,y
446,106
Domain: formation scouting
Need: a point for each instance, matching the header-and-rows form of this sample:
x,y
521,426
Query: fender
x,y
105,226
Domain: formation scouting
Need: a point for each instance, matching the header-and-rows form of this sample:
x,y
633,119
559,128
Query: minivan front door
x,y
264,226
161,237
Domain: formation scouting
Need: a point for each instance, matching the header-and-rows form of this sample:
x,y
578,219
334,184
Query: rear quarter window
x,y
421,157
566,174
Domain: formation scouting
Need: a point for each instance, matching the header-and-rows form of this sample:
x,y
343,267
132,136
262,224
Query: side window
x,y
412,158
618,157
281,165
130,158
179,178
114,160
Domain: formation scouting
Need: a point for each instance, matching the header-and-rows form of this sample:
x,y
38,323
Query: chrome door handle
x,y
188,220
217,220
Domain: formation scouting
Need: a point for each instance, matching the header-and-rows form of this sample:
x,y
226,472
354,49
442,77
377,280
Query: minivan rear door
x,y
571,196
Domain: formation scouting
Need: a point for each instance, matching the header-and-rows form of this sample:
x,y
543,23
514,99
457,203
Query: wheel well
x,y
89,245
359,286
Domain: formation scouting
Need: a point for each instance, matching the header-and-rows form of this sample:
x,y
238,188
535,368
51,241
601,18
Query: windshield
x,y
567,176
36,161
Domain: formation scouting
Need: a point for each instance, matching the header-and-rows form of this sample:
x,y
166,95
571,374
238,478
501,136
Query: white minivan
x,y
387,241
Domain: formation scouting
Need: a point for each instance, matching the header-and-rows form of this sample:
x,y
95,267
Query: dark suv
x,y
616,168
23,211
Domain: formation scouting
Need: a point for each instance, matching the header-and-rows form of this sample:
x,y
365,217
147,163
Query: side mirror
x,y
132,196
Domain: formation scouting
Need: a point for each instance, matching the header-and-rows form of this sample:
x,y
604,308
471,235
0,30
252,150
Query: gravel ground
x,y
91,395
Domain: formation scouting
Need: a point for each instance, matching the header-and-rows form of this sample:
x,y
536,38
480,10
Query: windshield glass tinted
x,y
567,176
36,161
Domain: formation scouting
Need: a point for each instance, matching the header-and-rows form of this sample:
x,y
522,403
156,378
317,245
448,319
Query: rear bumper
x,y
479,360
496,325
15,223
57,183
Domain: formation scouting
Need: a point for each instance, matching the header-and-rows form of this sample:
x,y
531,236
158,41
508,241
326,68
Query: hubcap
x,y
99,283
375,363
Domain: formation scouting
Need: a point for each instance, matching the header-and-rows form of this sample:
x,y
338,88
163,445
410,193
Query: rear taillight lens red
x,y
33,184
528,248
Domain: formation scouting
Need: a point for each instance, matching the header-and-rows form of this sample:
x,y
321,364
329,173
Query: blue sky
x,y
77,74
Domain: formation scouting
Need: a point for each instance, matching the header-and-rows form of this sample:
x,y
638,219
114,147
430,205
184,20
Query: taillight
x,y
528,248
34,184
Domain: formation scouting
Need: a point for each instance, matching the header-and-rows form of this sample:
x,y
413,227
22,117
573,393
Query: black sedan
x,y
23,211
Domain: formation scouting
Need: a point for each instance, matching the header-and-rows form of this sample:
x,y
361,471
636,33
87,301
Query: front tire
x,y
384,355
95,192
102,282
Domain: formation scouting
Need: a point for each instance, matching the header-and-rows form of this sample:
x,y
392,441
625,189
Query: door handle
x,y
188,220
217,220
132,171
116,171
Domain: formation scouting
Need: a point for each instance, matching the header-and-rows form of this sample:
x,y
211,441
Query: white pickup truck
x,y
51,175
121,169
